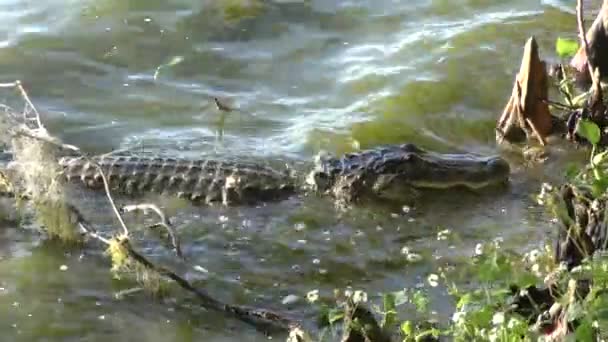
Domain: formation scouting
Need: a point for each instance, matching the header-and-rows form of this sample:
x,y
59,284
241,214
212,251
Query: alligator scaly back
x,y
205,180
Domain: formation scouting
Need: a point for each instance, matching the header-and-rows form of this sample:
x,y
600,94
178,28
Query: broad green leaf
x,y
599,158
566,47
335,315
390,312
588,130
400,297
421,301
572,170
406,328
599,185
584,332
525,279
464,300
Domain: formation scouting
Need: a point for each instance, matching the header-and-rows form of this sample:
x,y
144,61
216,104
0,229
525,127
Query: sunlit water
x,y
304,76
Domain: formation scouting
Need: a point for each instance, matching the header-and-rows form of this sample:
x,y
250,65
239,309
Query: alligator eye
x,y
409,148
498,166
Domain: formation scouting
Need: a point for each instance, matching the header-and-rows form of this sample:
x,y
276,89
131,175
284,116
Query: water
x,y
305,76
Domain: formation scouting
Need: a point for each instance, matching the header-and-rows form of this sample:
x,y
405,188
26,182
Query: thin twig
x,y
582,34
256,317
106,187
593,72
18,85
260,319
44,137
164,222
557,104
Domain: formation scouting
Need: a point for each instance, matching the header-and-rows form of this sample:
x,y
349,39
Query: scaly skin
x,y
206,181
385,172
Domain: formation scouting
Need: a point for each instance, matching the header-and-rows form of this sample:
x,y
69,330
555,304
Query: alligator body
x,y
389,171
208,181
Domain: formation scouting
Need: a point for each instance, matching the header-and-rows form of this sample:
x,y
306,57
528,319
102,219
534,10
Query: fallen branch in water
x,y
164,222
263,320
119,245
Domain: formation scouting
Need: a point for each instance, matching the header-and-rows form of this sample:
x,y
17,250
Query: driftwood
x,y
527,112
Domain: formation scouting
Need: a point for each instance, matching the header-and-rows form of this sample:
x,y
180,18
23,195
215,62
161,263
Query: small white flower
x,y
359,297
512,323
458,317
479,249
533,255
498,241
433,280
536,270
348,293
498,318
312,296
413,257
405,250
296,334
443,235
493,336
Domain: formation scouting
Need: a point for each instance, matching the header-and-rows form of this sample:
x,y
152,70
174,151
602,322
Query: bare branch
x,y
44,137
596,101
17,84
260,319
581,31
164,222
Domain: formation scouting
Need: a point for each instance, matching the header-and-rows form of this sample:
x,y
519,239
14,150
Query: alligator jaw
x,y
393,171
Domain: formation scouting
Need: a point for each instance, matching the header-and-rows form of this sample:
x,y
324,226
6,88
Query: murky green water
x,y
305,76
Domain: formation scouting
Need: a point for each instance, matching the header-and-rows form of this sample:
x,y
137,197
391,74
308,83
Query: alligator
x,y
389,172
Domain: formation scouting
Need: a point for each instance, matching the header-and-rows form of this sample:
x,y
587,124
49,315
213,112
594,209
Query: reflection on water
x,y
304,76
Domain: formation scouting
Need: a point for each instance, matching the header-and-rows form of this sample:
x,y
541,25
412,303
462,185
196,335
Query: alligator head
x,y
393,170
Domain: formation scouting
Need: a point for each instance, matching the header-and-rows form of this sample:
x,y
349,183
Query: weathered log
x,y
527,112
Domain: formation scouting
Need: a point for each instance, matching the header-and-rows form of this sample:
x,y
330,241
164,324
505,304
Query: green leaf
x,y
589,130
400,297
467,298
406,328
584,332
335,315
599,158
390,312
599,186
572,170
421,301
566,47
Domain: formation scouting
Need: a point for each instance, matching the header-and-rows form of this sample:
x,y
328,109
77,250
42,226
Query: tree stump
x,y
527,112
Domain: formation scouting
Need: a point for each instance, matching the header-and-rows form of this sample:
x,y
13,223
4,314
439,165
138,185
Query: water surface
x,y
305,76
